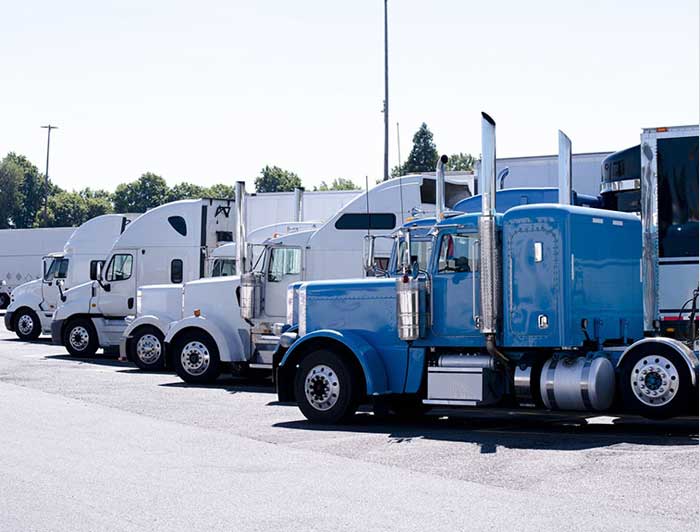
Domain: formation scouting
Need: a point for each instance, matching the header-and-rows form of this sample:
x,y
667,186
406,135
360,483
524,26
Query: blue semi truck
x,y
540,306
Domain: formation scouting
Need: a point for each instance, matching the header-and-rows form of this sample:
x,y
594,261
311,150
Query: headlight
x,y
290,305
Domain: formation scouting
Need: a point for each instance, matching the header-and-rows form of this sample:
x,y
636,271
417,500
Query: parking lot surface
x,y
94,444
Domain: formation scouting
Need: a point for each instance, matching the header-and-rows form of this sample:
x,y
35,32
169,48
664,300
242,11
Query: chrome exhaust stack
x,y
241,244
489,242
440,188
298,204
564,160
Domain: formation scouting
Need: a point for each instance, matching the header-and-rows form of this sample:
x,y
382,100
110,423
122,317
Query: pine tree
x,y
424,154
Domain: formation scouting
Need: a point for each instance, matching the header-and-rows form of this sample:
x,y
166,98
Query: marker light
x,y
197,313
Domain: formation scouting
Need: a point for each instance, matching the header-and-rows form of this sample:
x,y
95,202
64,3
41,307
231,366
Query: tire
x,y
80,338
655,382
27,324
146,348
4,301
196,359
326,388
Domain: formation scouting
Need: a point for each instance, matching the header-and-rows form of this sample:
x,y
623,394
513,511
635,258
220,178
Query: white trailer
x,y
541,171
34,302
159,305
21,251
237,324
168,244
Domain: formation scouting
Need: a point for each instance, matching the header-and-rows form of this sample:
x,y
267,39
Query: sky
x,y
211,91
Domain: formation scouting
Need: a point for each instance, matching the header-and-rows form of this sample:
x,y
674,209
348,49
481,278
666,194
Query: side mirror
x,y
59,285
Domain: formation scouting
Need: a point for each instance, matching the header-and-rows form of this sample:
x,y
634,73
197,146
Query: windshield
x,y
56,269
223,267
420,252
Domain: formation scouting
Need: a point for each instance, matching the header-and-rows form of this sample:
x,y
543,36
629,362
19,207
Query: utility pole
x,y
398,145
386,94
46,176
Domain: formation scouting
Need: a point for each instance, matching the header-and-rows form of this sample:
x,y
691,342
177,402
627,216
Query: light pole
x,y
386,94
46,176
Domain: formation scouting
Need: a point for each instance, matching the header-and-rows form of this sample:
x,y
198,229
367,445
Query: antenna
x,y
398,145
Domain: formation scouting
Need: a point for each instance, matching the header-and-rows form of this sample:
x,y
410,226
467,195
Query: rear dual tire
x,y
655,382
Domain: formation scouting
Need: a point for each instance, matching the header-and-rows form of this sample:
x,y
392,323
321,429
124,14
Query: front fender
x,y
376,379
227,340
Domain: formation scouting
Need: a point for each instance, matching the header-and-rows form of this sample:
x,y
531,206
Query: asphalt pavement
x,y
93,444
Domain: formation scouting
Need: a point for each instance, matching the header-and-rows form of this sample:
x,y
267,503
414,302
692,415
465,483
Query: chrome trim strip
x,y
620,186
550,384
584,384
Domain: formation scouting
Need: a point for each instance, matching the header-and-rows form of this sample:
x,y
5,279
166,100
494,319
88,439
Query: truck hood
x,y
81,292
363,305
30,287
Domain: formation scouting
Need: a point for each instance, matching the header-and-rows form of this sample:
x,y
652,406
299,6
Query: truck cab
x,y
34,303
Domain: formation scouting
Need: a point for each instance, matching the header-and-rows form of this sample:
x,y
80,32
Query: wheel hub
x,y
148,348
655,380
195,358
25,324
322,387
79,338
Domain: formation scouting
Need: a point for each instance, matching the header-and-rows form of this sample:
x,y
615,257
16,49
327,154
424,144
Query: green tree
x,y
66,209
461,162
423,155
274,179
220,191
11,181
32,191
148,191
338,184
186,191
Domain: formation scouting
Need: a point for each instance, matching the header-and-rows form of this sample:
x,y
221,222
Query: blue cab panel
x,y
564,264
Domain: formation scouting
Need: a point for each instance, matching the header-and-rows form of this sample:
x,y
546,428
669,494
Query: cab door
x,y
284,266
456,286
55,269
117,295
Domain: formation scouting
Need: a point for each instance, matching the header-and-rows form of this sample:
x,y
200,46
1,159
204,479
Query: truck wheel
x,y
325,388
655,382
146,348
80,338
4,301
196,358
27,324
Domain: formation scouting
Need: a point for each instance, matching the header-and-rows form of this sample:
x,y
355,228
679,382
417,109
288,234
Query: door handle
x,y
130,302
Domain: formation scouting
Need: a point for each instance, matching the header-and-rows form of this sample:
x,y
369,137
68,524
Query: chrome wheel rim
x,y
25,324
148,349
655,380
322,387
195,358
79,338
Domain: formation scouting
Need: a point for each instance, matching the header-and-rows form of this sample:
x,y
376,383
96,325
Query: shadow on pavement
x,y
99,360
231,385
44,341
519,430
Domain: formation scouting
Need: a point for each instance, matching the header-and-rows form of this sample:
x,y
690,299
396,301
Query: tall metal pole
x,y
386,94
46,175
398,145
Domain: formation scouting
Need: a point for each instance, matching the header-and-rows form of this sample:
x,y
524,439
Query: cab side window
x,y
458,253
284,261
119,268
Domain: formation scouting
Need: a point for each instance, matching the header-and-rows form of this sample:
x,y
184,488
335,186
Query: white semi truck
x,y
34,302
21,251
234,321
159,305
168,244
